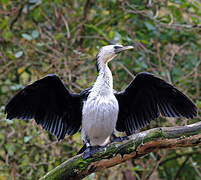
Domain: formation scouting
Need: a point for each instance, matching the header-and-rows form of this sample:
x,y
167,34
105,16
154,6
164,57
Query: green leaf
x,y
117,36
59,36
10,148
198,103
16,87
39,44
18,54
4,89
27,138
5,2
138,168
35,34
7,35
24,77
149,26
34,1
27,37
9,121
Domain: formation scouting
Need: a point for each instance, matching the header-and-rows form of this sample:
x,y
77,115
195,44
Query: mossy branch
x,y
138,145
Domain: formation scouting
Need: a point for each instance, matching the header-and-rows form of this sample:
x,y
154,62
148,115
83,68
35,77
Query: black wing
x,y
50,104
145,98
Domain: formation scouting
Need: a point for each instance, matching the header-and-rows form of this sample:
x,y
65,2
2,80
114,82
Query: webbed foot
x,y
119,139
90,151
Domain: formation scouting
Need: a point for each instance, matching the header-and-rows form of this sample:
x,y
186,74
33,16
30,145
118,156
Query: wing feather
x,y
50,104
146,98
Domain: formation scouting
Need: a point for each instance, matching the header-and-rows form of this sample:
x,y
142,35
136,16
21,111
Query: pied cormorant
x,y
99,110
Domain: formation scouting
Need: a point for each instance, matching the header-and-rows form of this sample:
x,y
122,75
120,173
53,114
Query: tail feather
x,y
82,149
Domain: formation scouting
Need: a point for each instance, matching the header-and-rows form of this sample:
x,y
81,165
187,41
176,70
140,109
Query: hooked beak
x,y
123,49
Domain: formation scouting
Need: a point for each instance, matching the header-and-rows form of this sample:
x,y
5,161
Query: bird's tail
x,y
82,149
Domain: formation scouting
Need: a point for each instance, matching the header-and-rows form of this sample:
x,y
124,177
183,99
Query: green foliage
x,y
62,37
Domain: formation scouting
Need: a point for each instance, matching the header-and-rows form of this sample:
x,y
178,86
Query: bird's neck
x,y
104,81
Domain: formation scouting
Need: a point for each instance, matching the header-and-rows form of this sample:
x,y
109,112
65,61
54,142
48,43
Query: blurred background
x,y
38,37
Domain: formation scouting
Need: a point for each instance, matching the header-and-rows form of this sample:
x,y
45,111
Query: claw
x,y
119,139
90,151
105,148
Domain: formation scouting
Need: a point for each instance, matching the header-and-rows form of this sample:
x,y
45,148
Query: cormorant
x,y
99,110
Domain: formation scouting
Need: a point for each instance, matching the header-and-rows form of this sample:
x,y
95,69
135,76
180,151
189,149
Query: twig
x,y
178,156
196,169
170,25
87,7
127,70
181,167
157,165
67,27
17,16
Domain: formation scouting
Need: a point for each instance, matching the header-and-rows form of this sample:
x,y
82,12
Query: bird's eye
x,y
117,47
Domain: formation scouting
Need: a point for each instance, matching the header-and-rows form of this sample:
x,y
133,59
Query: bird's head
x,y
107,53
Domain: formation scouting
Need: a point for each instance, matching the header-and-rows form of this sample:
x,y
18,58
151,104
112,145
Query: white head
x,y
107,53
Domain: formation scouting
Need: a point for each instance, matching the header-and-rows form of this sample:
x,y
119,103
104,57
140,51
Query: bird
x,y
99,111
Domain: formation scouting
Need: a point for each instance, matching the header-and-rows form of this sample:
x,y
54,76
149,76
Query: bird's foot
x,y
90,151
119,139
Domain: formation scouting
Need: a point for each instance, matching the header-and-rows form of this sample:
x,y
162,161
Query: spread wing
x,y
50,104
145,98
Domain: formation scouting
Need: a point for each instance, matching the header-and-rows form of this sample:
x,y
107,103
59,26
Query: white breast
x,y
100,111
99,116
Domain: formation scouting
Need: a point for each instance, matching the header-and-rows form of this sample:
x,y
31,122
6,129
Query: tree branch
x,y
138,145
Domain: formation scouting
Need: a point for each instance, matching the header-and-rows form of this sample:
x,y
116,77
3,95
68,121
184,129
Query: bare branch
x,y
139,145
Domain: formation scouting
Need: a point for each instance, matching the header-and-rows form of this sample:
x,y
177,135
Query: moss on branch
x,y
138,145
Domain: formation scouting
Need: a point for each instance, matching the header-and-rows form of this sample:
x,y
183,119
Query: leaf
x,y
117,36
39,44
7,35
58,36
20,70
34,1
149,26
18,54
143,41
24,77
27,138
16,87
5,1
10,148
27,37
9,121
198,103
35,34
4,89
2,177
